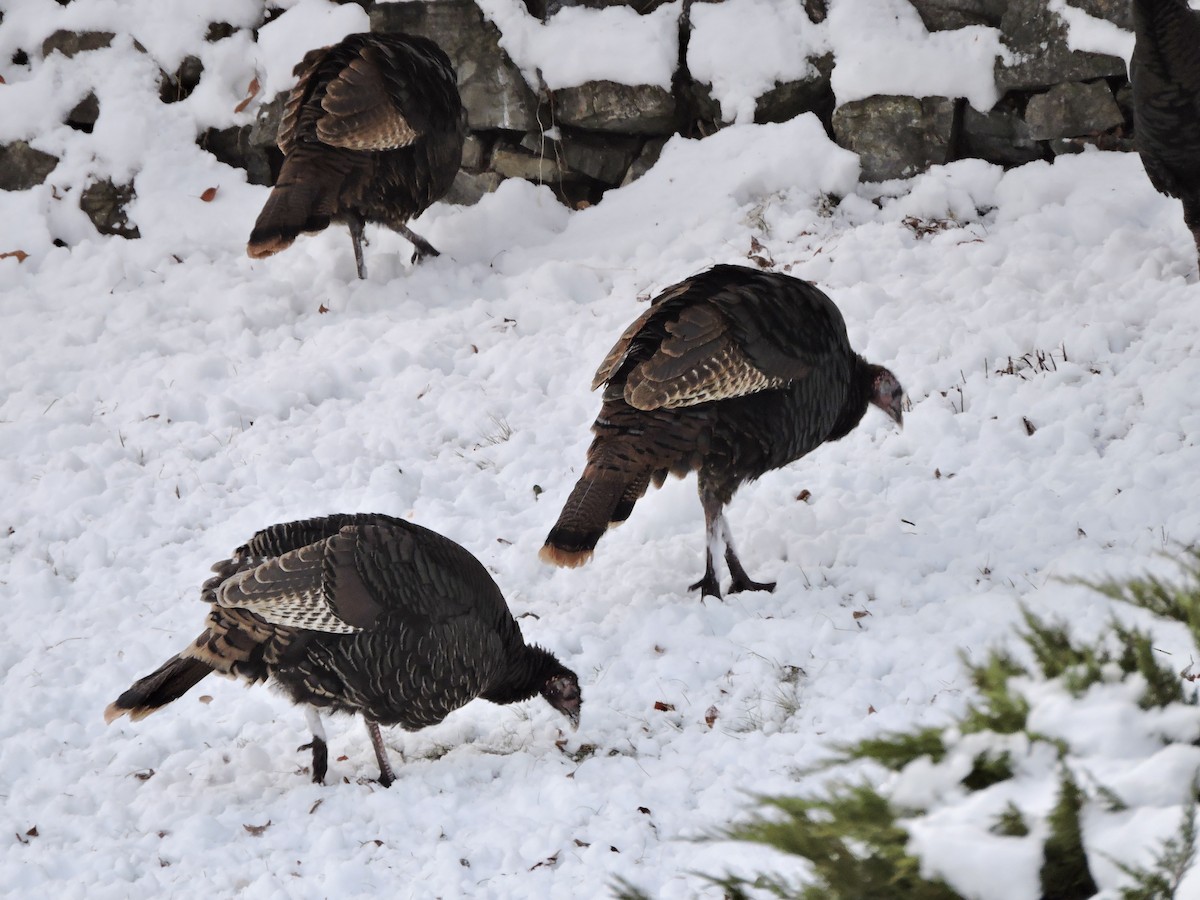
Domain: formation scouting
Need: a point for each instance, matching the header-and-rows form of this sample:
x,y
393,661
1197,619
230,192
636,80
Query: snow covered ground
x,y
161,399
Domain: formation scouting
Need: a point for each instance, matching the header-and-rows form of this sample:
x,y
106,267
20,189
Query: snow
x,y
1090,34
883,48
622,46
743,47
162,399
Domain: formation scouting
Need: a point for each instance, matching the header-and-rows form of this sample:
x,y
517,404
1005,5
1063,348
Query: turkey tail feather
x,y
168,682
298,204
585,517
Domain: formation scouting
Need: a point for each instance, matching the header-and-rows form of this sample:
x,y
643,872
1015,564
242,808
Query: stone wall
x,y
583,141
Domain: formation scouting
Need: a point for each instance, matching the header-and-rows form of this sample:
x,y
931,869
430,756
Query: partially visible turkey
x,y
1165,71
360,614
373,132
731,373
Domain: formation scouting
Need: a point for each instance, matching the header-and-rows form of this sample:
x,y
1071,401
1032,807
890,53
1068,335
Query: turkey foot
x,y
708,585
320,758
742,581
421,247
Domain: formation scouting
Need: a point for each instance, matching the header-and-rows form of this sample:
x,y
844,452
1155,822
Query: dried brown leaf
x,y
257,830
664,707
251,93
21,255
208,194
710,716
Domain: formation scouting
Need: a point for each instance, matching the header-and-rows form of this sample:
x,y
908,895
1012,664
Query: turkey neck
x,y
525,675
858,397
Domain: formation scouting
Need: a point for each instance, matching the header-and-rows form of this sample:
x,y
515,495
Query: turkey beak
x,y
894,406
570,708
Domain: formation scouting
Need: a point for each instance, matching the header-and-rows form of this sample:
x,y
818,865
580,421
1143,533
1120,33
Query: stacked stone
x,y
583,141
1053,99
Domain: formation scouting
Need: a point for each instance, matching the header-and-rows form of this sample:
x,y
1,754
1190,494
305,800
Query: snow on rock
x,y
577,44
742,48
883,48
1092,35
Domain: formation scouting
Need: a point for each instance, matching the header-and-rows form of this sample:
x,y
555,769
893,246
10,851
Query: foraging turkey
x,y
731,373
372,132
1165,71
359,614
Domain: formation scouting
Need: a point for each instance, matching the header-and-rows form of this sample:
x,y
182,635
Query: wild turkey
x,y
1165,71
372,132
731,373
359,614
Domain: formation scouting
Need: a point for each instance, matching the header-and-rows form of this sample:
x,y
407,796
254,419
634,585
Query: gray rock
x,y
84,114
265,130
605,158
516,162
895,136
23,167
999,136
1038,39
492,87
619,108
646,158
469,187
792,98
538,143
179,85
233,147
699,113
1124,98
816,10
1068,110
69,43
473,152
946,15
544,9
218,31
104,203
1119,12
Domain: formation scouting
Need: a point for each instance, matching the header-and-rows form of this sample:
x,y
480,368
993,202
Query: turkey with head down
x,y
359,614
730,373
